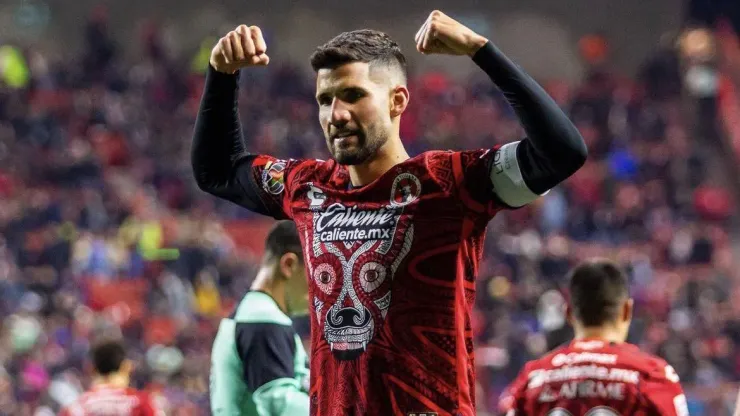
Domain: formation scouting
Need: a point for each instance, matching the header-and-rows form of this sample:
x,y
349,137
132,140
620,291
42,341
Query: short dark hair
x,y
108,355
597,290
364,45
281,239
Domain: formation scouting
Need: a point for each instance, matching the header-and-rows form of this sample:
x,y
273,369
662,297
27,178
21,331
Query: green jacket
x,y
258,364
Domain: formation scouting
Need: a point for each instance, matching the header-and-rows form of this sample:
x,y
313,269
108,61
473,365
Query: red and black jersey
x,y
392,269
103,400
596,378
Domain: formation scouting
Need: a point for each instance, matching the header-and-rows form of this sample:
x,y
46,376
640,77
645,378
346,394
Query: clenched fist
x,y
243,46
441,34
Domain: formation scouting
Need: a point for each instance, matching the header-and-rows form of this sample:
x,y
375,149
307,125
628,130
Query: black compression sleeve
x,y
221,163
554,149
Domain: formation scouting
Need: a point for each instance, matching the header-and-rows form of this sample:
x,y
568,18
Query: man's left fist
x,y
444,35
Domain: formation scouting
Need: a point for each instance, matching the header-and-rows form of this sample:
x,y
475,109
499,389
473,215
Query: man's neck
x,y
266,283
601,334
118,381
391,154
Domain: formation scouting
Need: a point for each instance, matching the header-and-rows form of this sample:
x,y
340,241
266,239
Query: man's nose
x,y
340,114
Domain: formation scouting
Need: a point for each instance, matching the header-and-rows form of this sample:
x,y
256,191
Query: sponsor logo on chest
x,y
343,223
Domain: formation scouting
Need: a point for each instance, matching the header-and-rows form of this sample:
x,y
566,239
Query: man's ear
x,y
399,100
288,263
127,367
569,314
627,309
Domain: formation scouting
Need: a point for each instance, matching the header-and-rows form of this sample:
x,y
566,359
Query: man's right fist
x,y
241,47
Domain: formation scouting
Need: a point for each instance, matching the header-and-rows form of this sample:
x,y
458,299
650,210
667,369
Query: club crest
x,y
405,190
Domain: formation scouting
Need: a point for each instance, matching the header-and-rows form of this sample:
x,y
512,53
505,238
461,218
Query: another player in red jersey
x,y
110,394
598,374
392,242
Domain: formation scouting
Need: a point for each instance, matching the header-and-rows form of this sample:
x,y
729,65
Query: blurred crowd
x,y
103,230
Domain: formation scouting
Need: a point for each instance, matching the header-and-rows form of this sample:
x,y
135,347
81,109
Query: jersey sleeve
x,y
268,182
664,393
148,406
490,179
510,403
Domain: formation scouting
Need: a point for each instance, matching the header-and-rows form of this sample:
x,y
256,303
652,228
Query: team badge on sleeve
x,y
273,177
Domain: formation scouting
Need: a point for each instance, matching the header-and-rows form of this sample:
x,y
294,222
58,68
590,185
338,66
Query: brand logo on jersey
x,y
341,223
316,197
405,190
273,177
583,357
422,414
538,378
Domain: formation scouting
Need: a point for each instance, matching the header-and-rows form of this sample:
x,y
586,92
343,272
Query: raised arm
x,y
553,149
220,160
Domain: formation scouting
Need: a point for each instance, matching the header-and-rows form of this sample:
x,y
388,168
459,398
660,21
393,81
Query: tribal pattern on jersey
x,y
357,250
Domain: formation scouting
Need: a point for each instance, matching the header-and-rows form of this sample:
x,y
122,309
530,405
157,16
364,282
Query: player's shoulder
x,y
550,359
448,156
144,397
274,168
130,392
576,353
437,165
258,307
651,366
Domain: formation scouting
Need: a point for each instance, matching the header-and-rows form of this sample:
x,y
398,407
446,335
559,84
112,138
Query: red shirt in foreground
x,y
595,378
391,269
108,401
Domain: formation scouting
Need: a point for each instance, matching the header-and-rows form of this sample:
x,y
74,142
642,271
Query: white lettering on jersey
x,y
538,378
581,357
584,389
671,375
682,408
111,404
508,183
341,223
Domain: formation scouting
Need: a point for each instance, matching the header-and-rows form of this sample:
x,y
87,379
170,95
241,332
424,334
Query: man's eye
x,y
352,96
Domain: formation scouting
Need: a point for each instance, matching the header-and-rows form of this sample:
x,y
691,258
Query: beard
x,y
359,150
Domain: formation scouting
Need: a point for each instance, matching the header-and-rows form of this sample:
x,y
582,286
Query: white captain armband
x,y
508,183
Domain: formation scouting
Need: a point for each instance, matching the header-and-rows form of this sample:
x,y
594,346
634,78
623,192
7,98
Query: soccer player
x,y
392,242
258,364
598,374
110,393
